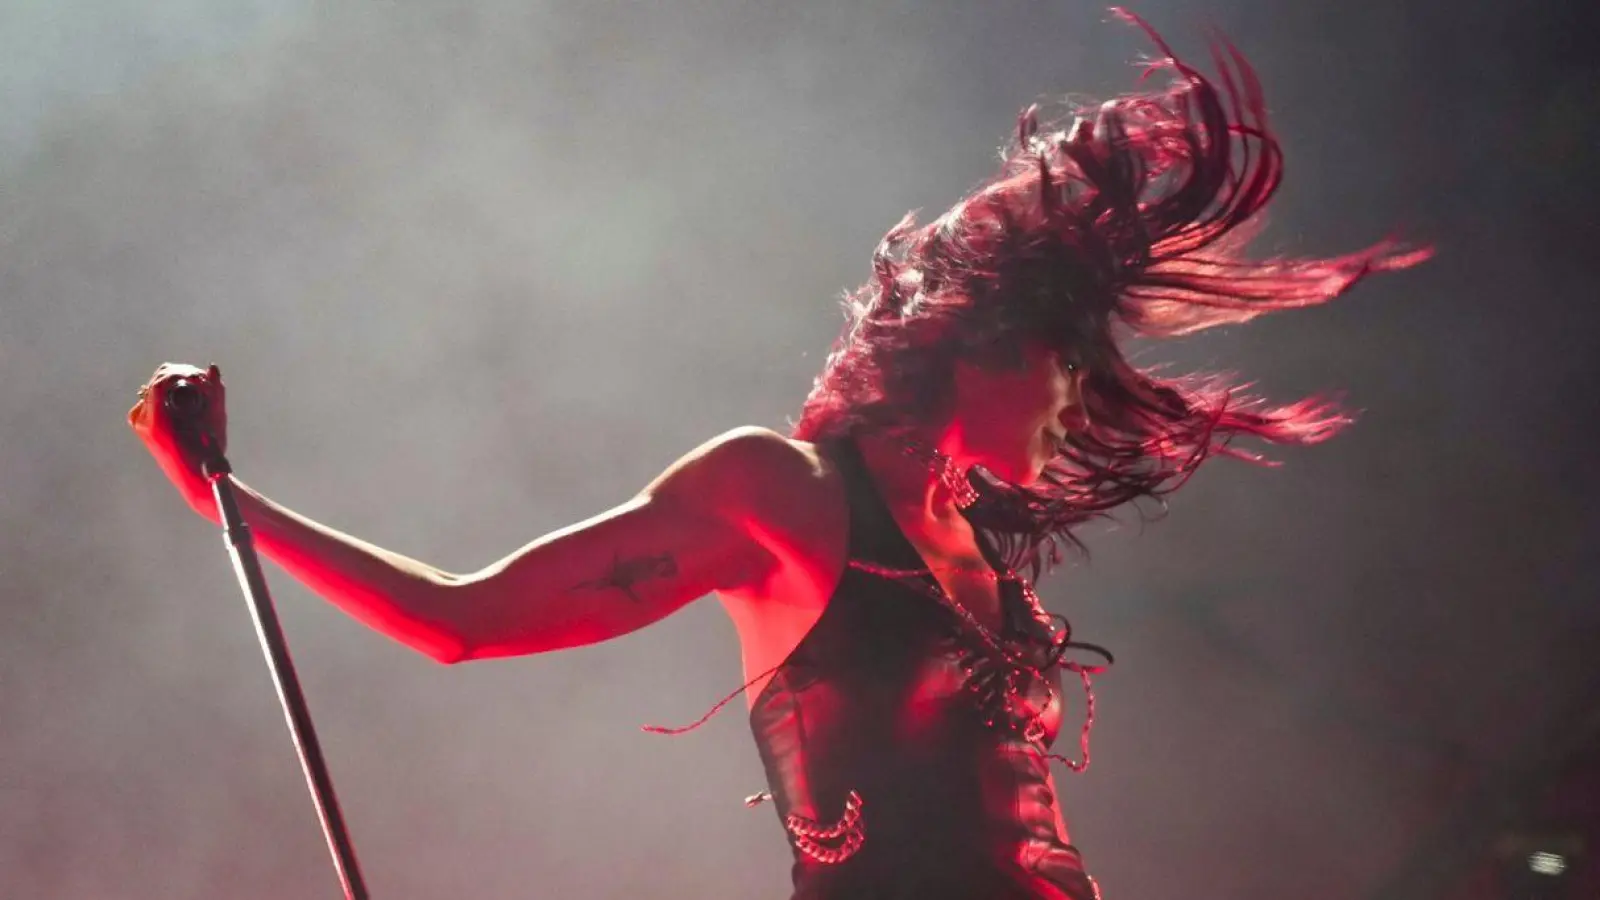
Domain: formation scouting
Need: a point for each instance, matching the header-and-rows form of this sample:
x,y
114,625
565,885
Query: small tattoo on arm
x,y
626,573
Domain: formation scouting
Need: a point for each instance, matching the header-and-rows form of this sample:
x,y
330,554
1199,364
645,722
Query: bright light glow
x,y
1547,863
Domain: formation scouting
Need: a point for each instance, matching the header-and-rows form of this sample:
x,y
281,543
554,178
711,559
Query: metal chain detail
x,y
848,832
1033,729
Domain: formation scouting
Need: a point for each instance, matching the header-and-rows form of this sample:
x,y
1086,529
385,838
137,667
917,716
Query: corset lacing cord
x,y
1060,642
673,731
1058,649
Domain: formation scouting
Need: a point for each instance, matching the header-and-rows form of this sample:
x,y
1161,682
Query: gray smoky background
x,y
475,271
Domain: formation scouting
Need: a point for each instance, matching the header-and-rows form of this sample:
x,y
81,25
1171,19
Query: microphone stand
x,y
186,401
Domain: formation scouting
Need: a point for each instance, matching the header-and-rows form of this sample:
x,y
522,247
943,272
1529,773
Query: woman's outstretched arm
x,y
691,531
604,577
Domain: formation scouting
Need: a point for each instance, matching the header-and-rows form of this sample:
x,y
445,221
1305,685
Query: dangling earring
x,y
944,468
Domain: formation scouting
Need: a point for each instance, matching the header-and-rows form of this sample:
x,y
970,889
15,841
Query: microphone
x,y
187,402
186,397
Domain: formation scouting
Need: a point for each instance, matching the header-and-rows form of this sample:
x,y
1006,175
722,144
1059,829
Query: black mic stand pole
x,y
187,401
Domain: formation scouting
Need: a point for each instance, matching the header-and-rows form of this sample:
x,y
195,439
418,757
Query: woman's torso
x,y
884,692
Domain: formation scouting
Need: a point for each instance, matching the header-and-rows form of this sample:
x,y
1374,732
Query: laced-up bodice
x,y
906,757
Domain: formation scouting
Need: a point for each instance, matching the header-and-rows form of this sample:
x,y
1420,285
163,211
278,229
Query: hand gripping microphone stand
x,y
187,402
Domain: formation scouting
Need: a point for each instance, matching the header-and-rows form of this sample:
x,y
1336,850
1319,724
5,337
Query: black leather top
x,y
891,695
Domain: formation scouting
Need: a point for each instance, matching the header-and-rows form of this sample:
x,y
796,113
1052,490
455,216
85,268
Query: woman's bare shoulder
x,y
745,464
761,478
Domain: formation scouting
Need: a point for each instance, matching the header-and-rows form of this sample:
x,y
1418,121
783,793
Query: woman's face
x,y
1012,419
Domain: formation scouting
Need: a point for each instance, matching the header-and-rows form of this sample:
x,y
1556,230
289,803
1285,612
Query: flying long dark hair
x,y
1131,221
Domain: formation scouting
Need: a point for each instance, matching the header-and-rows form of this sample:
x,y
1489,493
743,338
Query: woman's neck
x,y
907,479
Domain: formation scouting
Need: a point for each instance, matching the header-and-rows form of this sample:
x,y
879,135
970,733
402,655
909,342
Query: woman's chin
x,y
1024,471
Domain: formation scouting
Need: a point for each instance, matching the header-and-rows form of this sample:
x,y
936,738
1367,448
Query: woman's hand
x,y
175,440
